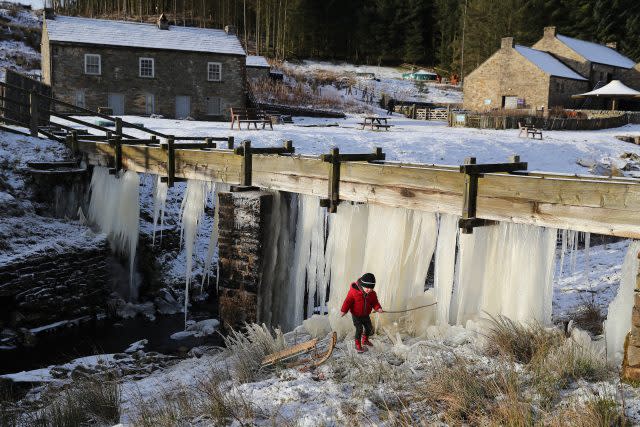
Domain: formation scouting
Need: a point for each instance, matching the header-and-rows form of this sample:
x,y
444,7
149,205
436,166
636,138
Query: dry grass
x,y
520,342
602,411
85,402
247,349
166,410
588,317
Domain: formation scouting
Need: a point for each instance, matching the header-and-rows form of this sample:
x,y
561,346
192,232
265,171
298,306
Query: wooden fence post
x,y
119,126
230,143
631,361
33,113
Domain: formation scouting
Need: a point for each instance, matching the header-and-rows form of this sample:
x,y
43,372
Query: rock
x,y
195,352
137,346
120,356
59,372
82,372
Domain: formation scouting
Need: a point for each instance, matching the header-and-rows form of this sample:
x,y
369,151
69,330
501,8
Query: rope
x,y
410,309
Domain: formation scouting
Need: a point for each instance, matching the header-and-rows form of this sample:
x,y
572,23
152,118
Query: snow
x,y
199,329
134,34
548,63
597,53
16,54
257,61
615,88
44,374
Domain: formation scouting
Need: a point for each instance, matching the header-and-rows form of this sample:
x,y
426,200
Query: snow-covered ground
x,y
16,54
388,81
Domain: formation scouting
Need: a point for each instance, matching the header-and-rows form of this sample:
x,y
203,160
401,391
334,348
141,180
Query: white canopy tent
x,y
615,90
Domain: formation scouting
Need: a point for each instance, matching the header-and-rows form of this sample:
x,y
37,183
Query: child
x,y
360,300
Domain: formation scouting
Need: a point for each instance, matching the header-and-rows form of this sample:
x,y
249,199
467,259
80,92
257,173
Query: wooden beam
x,y
594,204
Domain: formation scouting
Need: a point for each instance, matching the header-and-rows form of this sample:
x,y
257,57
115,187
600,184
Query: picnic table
x,y
375,122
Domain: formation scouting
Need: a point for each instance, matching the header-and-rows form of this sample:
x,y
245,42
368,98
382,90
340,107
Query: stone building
x,y
546,75
257,67
599,63
144,69
521,77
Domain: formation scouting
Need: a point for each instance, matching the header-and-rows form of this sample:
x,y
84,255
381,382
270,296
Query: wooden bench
x,y
249,116
375,123
529,131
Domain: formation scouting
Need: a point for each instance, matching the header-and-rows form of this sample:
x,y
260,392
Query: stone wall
x,y
242,220
54,286
631,361
177,73
560,91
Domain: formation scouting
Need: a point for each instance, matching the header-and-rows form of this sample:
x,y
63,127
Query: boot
x,y
365,341
359,348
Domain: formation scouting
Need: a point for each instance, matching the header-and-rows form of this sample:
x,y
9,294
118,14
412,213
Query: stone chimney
x,y
230,30
163,22
550,31
613,45
49,13
507,43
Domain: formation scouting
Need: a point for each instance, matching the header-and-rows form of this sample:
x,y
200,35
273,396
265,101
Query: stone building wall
x,y
505,73
54,286
242,221
177,73
561,90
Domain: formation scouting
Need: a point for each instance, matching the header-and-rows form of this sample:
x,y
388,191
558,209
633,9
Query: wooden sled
x,y
299,349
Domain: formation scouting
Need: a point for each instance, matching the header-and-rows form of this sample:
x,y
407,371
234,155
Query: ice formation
x,y
115,208
618,321
159,206
191,212
507,270
445,263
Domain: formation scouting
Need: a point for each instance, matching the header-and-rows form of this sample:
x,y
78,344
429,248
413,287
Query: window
x,y
147,68
92,64
79,99
150,103
214,71
213,106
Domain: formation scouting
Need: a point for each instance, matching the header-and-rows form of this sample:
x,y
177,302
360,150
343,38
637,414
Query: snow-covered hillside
x,y
19,38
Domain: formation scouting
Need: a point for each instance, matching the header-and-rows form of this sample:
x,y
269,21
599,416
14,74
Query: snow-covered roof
x,y
257,61
598,53
425,72
134,34
612,90
548,63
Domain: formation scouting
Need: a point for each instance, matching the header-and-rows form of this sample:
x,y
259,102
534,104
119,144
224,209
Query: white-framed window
x,y
214,71
214,106
147,68
79,99
92,64
149,103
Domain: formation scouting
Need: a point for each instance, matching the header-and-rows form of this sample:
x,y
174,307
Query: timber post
x,y
74,142
116,143
34,119
230,142
118,126
171,161
472,173
631,362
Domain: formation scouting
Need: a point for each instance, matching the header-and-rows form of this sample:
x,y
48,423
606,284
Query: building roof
x,y
133,34
548,63
615,89
257,61
598,53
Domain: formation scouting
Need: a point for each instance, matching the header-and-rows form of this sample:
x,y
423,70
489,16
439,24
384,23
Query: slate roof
x,y
133,34
597,53
548,63
257,61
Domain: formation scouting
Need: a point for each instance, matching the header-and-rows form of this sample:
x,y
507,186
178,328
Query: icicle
x,y
159,206
519,285
115,208
191,212
563,251
587,256
445,263
618,321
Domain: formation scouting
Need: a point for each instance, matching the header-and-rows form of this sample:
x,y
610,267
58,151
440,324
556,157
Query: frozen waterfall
x,y
115,208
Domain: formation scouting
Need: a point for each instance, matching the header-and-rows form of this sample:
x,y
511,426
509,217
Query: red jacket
x,y
360,305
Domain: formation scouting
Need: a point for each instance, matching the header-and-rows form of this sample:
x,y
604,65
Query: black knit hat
x,y
368,280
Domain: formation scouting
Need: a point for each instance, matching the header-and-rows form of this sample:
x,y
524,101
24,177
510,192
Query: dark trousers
x,y
361,323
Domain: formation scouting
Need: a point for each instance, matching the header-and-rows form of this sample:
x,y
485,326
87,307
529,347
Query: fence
x,y
432,114
15,99
482,121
